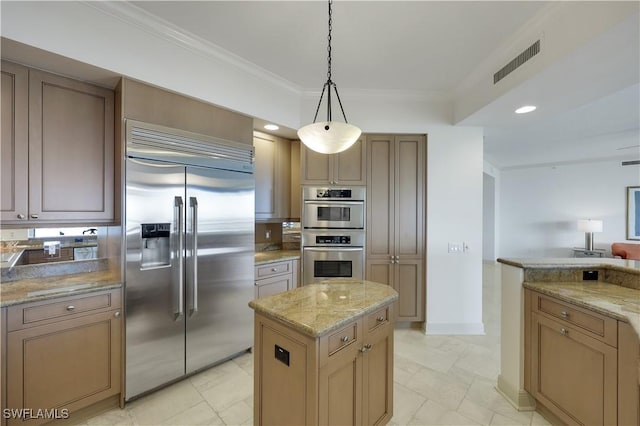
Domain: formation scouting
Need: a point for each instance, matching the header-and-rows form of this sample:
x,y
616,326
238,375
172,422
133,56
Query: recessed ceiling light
x,y
525,109
271,127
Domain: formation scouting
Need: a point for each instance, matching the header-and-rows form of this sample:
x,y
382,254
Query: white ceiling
x,y
431,47
588,100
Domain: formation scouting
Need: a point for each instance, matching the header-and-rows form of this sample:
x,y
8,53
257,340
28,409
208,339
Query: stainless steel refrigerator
x,y
189,239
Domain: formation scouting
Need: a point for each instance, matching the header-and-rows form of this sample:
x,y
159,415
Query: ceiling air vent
x,y
528,53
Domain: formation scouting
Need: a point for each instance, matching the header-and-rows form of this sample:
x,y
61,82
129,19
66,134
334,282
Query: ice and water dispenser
x,y
156,249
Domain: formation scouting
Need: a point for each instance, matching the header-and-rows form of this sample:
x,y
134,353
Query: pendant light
x,y
329,137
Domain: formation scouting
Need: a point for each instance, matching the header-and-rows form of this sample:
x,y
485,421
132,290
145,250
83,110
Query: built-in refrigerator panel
x,y
154,323
220,223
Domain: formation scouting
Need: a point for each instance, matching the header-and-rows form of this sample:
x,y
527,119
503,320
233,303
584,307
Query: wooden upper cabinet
x,y
14,143
57,149
273,176
71,150
345,168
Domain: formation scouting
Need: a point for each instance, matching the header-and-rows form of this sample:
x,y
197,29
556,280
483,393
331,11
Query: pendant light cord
x,y
329,82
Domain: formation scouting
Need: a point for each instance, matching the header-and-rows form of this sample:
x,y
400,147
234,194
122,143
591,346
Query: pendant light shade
x,y
329,137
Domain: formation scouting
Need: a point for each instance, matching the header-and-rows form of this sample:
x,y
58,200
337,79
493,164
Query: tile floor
x,y
439,380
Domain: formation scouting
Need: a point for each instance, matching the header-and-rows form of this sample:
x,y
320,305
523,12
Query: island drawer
x,y
271,269
378,318
592,323
45,312
343,338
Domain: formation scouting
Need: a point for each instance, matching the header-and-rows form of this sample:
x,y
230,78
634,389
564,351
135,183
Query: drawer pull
x,y
70,308
274,269
564,331
564,314
344,339
20,216
366,348
34,216
380,319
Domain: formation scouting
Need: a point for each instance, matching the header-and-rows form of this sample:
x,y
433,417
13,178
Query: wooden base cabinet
x,y
343,378
395,219
276,277
580,364
63,354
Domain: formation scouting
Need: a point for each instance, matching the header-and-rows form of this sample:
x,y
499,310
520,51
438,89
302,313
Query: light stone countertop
x,y
317,309
611,300
31,290
623,265
263,257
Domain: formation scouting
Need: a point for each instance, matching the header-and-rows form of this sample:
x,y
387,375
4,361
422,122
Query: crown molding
x,y
152,24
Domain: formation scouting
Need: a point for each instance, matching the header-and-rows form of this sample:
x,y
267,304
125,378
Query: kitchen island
x,y
570,338
323,354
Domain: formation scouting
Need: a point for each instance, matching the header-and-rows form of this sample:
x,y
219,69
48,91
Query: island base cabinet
x,y
341,388
343,378
573,375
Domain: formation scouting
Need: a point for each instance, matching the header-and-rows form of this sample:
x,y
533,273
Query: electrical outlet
x,y
267,234
14,234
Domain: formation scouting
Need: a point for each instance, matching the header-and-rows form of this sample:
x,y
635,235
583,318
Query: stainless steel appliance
x,y
333,208
333,235
189,239
332,254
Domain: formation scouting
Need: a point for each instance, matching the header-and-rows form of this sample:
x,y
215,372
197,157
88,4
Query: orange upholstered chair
x,y
626,250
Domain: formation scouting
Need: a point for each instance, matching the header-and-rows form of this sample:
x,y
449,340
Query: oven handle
x,y
332,248
334,203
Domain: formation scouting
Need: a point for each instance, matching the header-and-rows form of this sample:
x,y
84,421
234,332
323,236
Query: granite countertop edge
x,y
265,257
52,287
560,290
315,333
622,265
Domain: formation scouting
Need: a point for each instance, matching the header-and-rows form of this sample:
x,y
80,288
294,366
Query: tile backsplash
x,y
275,236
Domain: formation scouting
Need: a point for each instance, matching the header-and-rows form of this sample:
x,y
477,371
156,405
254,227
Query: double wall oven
x,y
333,234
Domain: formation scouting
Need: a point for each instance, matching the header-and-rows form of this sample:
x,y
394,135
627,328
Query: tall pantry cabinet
x,y
396,217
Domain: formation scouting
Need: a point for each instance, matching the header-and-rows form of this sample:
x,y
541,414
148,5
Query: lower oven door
x,y
319,263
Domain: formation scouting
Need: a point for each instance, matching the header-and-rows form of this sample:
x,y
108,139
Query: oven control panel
x,y
333,239
333,193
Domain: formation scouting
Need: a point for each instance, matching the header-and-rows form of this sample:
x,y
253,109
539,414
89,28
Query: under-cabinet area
x,y
581,366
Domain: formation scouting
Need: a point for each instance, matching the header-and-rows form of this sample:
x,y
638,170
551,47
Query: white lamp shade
x,y
588,225
329,137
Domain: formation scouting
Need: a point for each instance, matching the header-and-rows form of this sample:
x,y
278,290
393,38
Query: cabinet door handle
x,y
564,331
564,314
366,348
34,216
70,308
21,216
344,339
117,314
380,319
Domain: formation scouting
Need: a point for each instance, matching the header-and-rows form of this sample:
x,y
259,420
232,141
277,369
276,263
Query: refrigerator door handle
x,y
178,216
193,202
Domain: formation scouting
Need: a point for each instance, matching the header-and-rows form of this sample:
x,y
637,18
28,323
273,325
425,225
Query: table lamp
x,y
589,226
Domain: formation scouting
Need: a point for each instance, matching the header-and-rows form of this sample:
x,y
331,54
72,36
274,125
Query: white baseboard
x,y
473,328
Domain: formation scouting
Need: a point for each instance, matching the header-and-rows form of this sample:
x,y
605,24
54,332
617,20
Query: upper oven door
x,y
333,214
